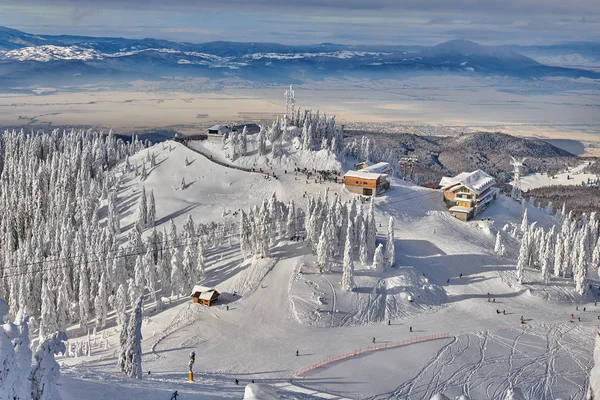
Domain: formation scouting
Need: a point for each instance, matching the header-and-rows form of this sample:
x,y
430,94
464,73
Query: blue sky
x,y
312,21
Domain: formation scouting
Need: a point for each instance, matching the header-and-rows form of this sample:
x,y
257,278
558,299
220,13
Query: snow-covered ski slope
x,y
573,176
283,304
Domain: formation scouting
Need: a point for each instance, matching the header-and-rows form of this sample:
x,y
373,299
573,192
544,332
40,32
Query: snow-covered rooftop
x,y
477,181
379,168
461,209
202,289
363,174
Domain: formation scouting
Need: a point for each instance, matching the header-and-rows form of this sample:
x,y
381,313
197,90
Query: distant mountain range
x,y
27,59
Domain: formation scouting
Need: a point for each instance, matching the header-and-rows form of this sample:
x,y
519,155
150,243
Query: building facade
x,y
468,193
366,183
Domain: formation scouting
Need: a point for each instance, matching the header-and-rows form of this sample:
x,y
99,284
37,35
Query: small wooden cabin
x,y
205,295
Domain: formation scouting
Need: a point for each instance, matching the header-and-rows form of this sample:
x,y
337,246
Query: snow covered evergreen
x,y
130,356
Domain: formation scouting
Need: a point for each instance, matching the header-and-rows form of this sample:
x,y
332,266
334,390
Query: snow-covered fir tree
x,y
523,258
130,355
323,250
48,324
101,302
46,371
378,259
371,229
151,217
142,221
390,251
498,245
348,264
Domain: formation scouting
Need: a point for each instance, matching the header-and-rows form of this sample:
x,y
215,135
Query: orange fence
x,y
369,350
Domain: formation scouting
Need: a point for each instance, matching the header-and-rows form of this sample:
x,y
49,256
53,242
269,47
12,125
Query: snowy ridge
x,y
344,54
48,53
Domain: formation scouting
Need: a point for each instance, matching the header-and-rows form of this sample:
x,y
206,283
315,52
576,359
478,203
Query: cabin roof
x,y
203,289
478,181
363,174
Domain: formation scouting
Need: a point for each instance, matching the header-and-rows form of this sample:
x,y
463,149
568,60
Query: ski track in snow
x,y
482,377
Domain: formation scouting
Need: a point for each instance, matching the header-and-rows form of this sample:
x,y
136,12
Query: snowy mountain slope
x,y
472,50
254,335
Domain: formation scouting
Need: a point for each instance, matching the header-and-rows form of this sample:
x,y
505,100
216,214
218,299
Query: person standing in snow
x,y
175,396
373,339
411,328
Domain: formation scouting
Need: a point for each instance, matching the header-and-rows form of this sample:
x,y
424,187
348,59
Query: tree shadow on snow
x,y
176,214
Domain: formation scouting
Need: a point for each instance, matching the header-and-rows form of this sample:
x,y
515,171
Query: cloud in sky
x,y
312,21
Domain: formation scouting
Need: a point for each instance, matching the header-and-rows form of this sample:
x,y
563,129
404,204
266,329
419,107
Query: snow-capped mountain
x,y
47,53
27,59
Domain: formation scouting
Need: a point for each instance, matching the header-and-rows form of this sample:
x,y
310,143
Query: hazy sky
x,y
314,21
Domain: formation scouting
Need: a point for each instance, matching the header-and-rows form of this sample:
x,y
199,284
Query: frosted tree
x,y
46,371
48,318
101,302
323,251
498,245
84,298
142,221
244,142
348,264
546,263
151,218
121,304
291,220
371,229
136,288
558,255
524,223
262,142
176,273
581,267
596,255
150,273
23,355
130,355
189,270
62,306
390,251
378,260
522,260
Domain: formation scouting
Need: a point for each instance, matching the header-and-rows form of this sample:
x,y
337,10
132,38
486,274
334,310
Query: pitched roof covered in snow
x,y
363,174
379,168
203,290
477,181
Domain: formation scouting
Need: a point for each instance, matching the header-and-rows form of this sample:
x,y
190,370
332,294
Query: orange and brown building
x,y
468,193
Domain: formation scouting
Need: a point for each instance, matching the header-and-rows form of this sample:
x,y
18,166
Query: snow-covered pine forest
x,y
569,249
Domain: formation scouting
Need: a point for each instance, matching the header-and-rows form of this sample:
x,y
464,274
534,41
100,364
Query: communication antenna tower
x,y
516,189
290,103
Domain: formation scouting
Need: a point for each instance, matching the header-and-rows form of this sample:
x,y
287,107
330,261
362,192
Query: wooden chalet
x,y
468,193
205,295
366,183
